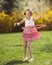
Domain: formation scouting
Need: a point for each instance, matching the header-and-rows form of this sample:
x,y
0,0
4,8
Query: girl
x,y
29,32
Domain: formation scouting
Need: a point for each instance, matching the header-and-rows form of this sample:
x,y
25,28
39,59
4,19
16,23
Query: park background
x,y
12,11
11,43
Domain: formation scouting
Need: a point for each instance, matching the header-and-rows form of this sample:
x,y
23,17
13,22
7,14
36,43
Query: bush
x,y
7,22
46,18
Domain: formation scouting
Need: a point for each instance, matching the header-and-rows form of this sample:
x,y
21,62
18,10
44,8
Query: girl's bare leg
x,y
25,49
29,48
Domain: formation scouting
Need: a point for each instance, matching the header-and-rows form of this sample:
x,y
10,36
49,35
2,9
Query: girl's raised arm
x,y
38,17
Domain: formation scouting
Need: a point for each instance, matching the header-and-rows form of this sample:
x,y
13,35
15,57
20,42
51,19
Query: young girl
x,y
30,33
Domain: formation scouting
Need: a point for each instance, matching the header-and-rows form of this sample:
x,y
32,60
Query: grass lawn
x,y
11,49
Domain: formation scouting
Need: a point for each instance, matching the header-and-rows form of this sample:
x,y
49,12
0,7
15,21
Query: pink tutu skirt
x,y
30,33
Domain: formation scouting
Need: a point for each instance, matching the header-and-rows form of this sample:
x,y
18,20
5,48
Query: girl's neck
x,y
28,18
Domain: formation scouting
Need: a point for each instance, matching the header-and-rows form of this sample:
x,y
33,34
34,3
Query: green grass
x,y
11,49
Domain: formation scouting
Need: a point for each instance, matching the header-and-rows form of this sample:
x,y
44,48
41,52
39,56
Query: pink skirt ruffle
x,y
30,33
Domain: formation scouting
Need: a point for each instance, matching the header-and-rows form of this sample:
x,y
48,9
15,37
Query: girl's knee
x,y
25,46
28,45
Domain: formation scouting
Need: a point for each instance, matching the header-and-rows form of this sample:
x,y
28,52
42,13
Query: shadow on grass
x,y
17,46
47,48
13,62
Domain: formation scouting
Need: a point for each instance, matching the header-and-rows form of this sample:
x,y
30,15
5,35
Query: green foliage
x,y
7,22
17,7
45,18
8,5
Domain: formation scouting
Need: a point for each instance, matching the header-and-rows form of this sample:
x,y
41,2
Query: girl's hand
x,y
19,23
16,24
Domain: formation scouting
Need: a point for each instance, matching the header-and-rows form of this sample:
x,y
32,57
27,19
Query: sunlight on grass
x,y
11,49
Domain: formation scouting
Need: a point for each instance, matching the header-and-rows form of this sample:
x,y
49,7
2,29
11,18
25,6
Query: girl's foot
x,y
31,59
25,59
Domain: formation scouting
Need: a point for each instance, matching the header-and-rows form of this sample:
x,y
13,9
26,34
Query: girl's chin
x,y
28,17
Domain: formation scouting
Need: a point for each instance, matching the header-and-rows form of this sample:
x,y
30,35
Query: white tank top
x,y
29,22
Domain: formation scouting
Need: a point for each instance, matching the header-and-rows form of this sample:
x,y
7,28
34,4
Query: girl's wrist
x,y
18,23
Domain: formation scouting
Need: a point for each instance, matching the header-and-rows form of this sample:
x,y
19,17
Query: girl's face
x,y
28,14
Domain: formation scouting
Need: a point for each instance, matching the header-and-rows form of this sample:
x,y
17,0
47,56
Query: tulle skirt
x,y
30,33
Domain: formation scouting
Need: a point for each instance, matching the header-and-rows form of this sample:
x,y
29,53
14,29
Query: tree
x,y
8,5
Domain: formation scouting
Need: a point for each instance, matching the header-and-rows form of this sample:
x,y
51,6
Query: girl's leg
x,y
29,48
25,48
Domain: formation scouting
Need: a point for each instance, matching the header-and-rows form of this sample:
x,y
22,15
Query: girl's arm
x,y
40,26
38,17
19,23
